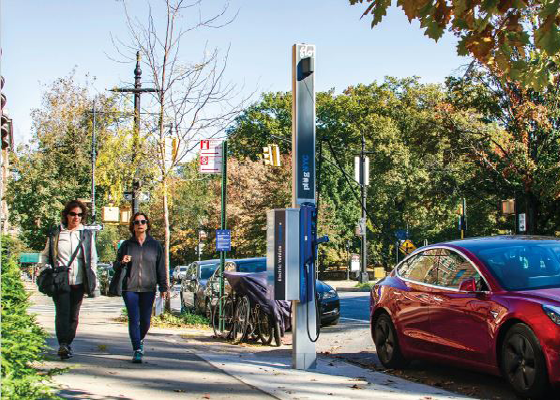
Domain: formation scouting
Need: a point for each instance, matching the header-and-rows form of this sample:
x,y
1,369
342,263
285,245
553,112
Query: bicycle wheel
x,y
264,327
223,326
241,320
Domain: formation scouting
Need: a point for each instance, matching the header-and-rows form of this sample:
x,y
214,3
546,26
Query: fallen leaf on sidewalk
x,y
331,364
355,386
206,396
179,390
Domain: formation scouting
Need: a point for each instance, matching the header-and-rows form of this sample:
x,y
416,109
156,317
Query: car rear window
x,y
206,271
251,266
524,266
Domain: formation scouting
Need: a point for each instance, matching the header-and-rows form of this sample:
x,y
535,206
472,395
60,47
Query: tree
x,y
521,156
193,99
520,39
56,167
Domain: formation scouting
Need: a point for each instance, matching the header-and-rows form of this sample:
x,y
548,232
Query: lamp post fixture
x,y
137,90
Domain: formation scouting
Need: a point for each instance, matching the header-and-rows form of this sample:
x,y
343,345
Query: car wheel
x,y
522,362
387,344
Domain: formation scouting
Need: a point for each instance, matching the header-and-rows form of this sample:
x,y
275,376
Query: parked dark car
x,y
328,301
194,282
492,304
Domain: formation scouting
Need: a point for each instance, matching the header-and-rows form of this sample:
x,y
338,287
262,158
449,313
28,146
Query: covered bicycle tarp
x,y
253,284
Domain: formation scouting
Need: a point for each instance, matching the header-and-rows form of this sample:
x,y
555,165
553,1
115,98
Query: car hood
x,y
321,286
541,295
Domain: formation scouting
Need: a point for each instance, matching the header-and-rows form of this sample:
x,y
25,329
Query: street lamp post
x,y
137,90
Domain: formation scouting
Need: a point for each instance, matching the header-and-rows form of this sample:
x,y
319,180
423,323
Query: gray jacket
x,y
146,268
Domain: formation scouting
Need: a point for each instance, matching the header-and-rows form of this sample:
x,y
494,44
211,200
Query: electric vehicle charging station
x,y
292,232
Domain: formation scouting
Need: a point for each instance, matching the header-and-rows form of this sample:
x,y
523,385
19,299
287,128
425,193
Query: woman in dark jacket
x,y
144,258
71,246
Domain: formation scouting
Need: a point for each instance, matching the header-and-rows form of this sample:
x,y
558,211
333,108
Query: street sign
x,y
401,234
141,196
522,223
355,263
94,227
407,247
223,240
210,156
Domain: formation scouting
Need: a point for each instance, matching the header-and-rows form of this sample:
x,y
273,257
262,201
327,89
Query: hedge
x,y
23,340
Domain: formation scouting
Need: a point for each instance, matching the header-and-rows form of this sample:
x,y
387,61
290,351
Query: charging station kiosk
x,y
292,232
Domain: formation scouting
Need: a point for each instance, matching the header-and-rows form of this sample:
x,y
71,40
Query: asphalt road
x,y
351,340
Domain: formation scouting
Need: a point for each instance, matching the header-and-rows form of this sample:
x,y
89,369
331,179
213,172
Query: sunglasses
x,y
140,221
73,214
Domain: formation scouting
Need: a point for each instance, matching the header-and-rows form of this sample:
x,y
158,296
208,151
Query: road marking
x,y
356,320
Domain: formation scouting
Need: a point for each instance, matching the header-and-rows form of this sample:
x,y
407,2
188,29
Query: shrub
x,y
23,340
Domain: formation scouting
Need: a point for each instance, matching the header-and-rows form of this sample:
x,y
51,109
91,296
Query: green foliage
x,y
515,38
56,167
174,320
23,340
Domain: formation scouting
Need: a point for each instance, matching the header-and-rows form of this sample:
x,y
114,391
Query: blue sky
x,y
44,40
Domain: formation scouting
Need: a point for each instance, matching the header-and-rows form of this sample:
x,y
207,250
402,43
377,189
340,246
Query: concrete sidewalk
x,y
191,364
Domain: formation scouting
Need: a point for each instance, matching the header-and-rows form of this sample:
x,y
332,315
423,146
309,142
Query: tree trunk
x,y
166,248
532,209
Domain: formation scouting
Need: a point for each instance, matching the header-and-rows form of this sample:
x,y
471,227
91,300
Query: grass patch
x,y
174,320
366,286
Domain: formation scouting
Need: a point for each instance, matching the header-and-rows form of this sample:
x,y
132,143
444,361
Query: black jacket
x,y
147,267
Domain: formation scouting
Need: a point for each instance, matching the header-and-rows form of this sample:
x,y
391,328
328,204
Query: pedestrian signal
x,y
271,155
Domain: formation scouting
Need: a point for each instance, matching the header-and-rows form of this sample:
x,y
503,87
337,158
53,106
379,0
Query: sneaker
x,y
64,352
137,357
142,346
70,351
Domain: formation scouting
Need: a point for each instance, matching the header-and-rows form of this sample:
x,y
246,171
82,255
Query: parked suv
x,y
193,283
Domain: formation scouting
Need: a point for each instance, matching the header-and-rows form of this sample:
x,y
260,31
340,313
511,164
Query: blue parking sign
x,y
223,240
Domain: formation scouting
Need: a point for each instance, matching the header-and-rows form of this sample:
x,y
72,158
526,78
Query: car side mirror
x,y
468,285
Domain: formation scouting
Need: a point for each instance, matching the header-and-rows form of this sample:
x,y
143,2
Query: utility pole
x,y
137,90
363,268
93,157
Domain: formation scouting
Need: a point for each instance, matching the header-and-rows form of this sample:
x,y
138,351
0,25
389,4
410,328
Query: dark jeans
x,y
67,306
139,307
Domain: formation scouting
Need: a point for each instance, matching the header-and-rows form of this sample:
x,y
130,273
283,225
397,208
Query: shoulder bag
x,y
53,280
117,281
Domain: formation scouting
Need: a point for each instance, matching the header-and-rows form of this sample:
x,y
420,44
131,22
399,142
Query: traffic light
x,y
6,122
271,155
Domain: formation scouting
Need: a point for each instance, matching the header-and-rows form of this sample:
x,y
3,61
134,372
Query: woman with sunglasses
x,y
144,259
72,246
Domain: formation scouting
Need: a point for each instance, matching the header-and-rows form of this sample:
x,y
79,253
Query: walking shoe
x,y
70,351
64,352
137,357
142,346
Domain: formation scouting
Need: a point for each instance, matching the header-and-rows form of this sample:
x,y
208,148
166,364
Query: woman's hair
x,y
70,206
131,224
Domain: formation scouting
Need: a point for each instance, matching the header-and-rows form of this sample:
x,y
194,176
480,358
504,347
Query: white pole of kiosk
x,y
304,355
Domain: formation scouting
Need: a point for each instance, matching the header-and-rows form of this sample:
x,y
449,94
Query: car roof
x,y
500,241
246,260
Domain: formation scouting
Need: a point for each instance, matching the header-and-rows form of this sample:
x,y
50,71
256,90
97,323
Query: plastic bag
x,y
159,304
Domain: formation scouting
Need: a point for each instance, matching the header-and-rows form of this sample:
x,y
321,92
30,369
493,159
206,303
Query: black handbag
x,y
117,281
54,280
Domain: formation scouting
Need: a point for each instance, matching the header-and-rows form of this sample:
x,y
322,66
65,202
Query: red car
x,y
492,304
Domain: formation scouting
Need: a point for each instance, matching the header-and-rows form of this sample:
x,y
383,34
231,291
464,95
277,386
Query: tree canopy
x,y
519,38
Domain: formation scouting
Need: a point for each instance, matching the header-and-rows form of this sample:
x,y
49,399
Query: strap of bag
x,y
73,255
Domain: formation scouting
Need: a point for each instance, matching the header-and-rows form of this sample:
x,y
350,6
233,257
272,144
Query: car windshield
x,y
526,265
206,271
251,266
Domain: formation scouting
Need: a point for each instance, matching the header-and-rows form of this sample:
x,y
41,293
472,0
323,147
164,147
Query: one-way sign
x,y
94,227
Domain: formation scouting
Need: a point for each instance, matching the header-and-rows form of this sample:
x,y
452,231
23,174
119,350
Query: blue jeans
x,y
139,308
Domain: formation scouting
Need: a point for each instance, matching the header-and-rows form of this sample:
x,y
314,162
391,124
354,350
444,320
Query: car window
x,y
524,266
421,267
206,271
453,268
252,266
